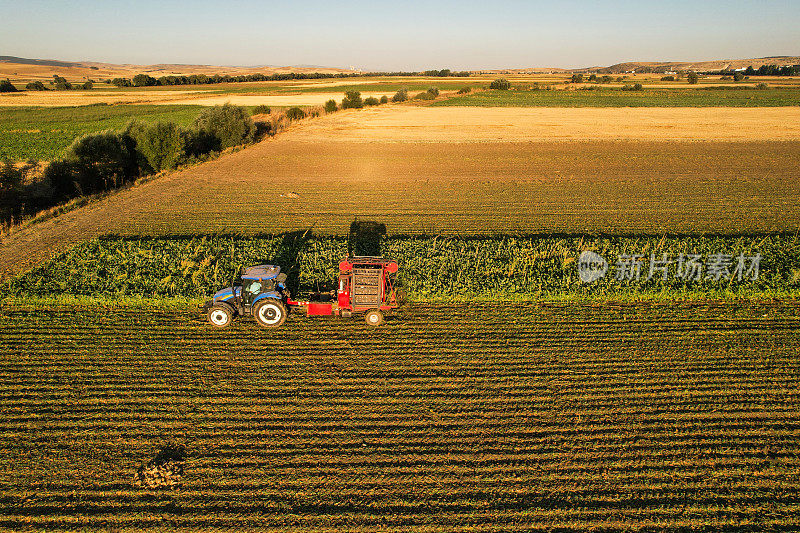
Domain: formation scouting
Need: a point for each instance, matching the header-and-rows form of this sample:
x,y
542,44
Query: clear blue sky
x,y
398,35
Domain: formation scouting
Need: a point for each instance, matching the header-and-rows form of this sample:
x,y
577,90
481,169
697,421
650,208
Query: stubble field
x,y
474,418
603,187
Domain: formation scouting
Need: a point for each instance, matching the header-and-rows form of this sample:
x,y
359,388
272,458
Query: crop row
x,y
474,417
504,267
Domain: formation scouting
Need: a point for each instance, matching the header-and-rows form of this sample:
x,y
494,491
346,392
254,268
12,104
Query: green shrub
x,y
465,90
384,99
87,85
228,125
692,78
35,86
762,86
162,145
434,91
576,78
424,96
606,79
262,110
634,87
121,82
400,96
10,190
738,76
501,84
110,157
69,179
352,100
371,101
7,87
668,78
61,83
295,113
330,106
143,80
593,77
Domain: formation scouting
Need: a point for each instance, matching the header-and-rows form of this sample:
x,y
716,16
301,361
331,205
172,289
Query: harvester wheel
x,y
220,316
270,313
374,317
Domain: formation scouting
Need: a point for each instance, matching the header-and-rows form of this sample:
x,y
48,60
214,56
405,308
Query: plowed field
x,y
448,418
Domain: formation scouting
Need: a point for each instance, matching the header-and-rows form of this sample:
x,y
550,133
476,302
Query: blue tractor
x,y
263,294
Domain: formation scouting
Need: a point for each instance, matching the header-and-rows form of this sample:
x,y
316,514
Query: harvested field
x,y
300,99
474,124
586,417
83,98
448,188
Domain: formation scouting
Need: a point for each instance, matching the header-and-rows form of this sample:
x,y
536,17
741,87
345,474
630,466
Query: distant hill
x,y
44,62
721,64
25,69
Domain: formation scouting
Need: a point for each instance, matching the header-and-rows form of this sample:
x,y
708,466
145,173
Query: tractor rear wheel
x,y
374,317
270,313
220,316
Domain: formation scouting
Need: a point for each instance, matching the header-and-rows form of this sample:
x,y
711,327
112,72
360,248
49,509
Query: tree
x,y
371,101
226,125
352,100
7,87
738,76
501,84
330,106
593,77
400,96
162,145
121,82
295,113
88,85
143,80
36,86
384,99
692,78
61,83
108,156
576,78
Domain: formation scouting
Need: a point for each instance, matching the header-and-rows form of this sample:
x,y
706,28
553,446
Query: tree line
x,y
145,80
109,159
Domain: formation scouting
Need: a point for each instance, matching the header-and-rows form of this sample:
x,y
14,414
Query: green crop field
x,y
607,97
474,418
44,132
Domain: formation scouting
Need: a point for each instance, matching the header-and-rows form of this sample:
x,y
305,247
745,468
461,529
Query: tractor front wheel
x,y
270,313
374,317
220,316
